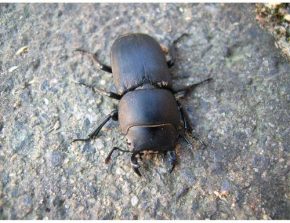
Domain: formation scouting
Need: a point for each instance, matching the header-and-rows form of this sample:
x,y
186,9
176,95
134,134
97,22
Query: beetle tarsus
x,y
172,160
100,65
183,135
113,115
198,138
185,138
135,165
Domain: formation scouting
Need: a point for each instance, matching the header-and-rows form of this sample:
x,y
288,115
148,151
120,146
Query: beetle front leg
x,y
100,65
113,115
135,165
107,160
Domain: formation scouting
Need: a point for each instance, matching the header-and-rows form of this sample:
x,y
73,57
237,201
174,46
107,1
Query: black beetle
x,y
150,116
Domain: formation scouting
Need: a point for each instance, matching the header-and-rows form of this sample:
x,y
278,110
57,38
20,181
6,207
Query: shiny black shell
x,y
150,119
137,59
148,112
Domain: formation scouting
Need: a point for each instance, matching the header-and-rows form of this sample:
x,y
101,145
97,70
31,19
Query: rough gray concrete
x,y
243,115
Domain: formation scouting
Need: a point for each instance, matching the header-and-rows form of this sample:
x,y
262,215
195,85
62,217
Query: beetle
x,y
149,114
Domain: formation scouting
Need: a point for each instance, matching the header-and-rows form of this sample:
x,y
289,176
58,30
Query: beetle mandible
x,y
150,116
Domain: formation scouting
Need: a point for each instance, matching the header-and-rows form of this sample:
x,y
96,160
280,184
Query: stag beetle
x,y
150,116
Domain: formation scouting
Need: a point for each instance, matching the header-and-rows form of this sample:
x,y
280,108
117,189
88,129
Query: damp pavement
x,y
242,115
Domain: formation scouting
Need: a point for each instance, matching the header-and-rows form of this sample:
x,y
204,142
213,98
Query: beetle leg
x,y
172,50
187,126
100,65
172,160
185,119
198,138
107,160
195,136
101,91
187,89
135,165
113,115
185,138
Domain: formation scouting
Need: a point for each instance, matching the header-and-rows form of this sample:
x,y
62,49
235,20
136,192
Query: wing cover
x,y
138,59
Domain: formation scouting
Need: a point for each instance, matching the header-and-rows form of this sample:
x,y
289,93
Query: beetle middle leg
x,y
185,90
184,116
100,65
172,160
187,126
113,115
101,91
186,123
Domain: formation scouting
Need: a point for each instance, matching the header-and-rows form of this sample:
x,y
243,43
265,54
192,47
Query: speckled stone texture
x,y
243,116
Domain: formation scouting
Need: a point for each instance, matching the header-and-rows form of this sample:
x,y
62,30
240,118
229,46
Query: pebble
x,y
11,69
134,201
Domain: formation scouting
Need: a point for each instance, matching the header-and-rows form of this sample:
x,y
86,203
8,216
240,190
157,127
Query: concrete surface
x,y
276,19
243,115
